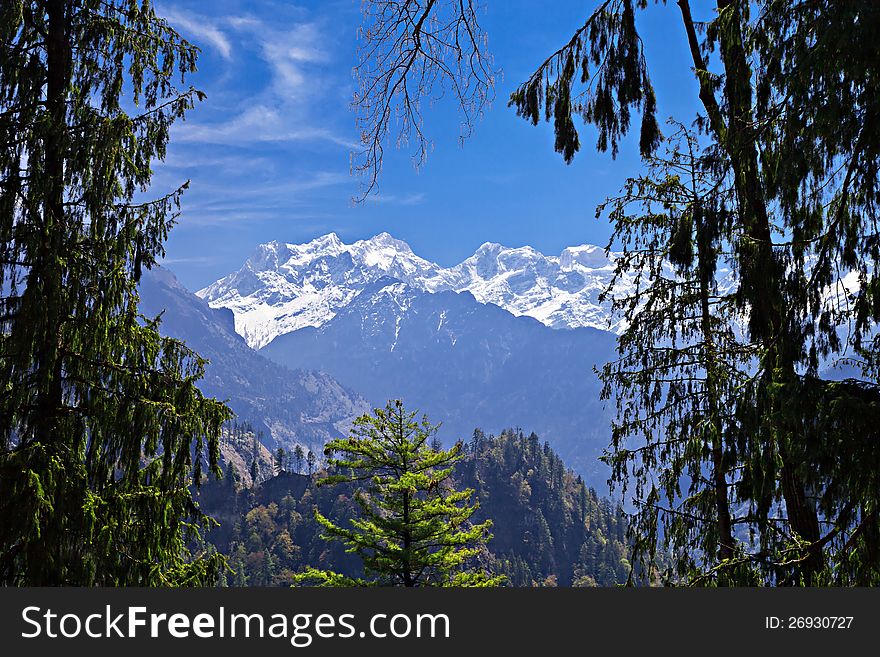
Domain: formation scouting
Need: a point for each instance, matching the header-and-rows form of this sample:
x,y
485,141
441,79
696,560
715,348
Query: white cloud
x,y
259,123
288,53
397,199
200,29
176,160
217,204
283,111
194,260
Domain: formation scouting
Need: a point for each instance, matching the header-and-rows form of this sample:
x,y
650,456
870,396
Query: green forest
x,y
548,528
744,446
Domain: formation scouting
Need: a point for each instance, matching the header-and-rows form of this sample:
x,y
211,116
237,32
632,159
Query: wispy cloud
x,y
299,42
287,188
266,152
195,260
289,54
259,123
397,199
215,162
200,29
219,204
298,62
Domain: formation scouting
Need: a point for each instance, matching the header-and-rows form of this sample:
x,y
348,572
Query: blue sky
x,y
268,151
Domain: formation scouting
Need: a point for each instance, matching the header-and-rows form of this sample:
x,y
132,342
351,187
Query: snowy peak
x,y
559,291
392,257
383,242
588,256
492,260
268,256
285,287
296,254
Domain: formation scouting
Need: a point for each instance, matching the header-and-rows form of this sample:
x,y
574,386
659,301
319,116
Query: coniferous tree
x,y
298,459
787,116
585,542
231,477
279,460
102,430
311,461
680,367
413,528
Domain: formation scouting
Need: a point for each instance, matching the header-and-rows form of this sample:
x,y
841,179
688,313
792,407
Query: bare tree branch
x,y
414,50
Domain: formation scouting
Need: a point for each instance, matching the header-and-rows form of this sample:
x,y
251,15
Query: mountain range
x,y
302,338
465,364
285,287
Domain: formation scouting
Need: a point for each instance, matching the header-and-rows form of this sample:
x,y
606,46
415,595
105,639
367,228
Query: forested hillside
x,y
549,528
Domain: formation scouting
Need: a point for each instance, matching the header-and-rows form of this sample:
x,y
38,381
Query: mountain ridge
x,y
284,287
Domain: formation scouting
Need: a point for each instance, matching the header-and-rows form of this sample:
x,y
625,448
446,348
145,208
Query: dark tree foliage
x,y
549,527
103,430
600,75
298,458
800,159
681,366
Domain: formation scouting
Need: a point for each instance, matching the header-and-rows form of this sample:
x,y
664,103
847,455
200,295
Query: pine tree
x,y
413,528
102,429
786,116
255,472
298,458
231,477
279,460
680,365
311,461
239,566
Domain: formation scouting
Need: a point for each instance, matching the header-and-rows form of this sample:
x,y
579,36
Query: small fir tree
x,y
413,528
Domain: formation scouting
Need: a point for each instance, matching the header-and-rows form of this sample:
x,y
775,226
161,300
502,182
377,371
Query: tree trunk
x,y
765,277
47,273
408,579
719,479
43,295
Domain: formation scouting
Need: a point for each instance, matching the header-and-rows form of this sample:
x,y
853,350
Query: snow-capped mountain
x,y
285,287
559,291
